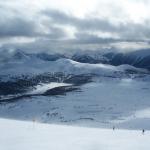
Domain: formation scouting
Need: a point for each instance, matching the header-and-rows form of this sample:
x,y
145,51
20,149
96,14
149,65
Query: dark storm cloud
x,y
85,38
83,24
15,24
126,31
53,31
133,31
17,27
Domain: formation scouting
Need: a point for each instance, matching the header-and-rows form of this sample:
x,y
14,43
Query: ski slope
x,y
16,135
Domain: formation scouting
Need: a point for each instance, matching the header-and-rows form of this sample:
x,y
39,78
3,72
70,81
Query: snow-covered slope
x,y
67,66
117,93
41,88
16,135
107,102
16,62
21,72
138,58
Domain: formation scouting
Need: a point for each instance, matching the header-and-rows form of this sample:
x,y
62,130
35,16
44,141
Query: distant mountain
x,y
91,57
18,55
139,58
18,62
50,57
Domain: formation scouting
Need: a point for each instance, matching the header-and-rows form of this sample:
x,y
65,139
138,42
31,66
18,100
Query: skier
x,y
113,127
143,131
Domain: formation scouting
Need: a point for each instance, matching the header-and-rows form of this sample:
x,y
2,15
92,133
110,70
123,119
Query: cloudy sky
x,y
80,24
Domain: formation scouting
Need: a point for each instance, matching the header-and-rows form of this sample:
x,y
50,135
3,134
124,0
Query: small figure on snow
x,y
143,131
113,127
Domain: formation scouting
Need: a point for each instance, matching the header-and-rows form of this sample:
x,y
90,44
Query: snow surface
x,y
20,135
119,101
43,87
123,103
